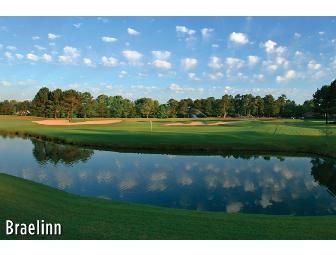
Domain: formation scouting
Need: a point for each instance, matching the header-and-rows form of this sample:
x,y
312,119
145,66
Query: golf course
x,y
26,201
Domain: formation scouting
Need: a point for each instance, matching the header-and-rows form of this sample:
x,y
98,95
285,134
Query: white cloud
x,y
19,56
32,57
8,55
53,36
36,37
289,75
214,45
77,25
110,61
215,76
321,33
179,89
132,31
188,63
297,35
253,60
5,84
312,65
109,39
215,63
162,64
70,55
163,55
122,74
11,48
132,56
193,76
87,62
46,57
185,30
258,77
269,46
234,62
206,32
239,38
40,48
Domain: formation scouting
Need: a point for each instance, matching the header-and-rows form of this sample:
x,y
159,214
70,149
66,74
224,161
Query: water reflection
x,y
232,183
45,152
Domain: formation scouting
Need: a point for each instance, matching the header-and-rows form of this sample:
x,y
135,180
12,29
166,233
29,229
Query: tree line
x,y
71,103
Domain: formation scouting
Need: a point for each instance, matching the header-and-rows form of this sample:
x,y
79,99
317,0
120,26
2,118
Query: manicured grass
x,y
272,135
91,218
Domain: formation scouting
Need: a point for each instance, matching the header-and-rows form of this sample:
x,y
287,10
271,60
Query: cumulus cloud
x,y
52,36
8,55
110,61
32,57
206,32
132,31
312,65
234,207
133,57
252,60
108,39
289,75
238,38
5,84
234,63
36,37
11,48
179,89
70,54
269,46
46,57
193,76
215,63
185,30
77,25
163,55
162,64
188,63
40,48
19,56
215,76
87,62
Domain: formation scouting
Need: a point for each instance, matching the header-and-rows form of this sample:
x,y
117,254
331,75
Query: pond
x,y
230,183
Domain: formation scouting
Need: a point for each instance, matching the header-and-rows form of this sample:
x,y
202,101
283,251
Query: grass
x,y
93,218
271,135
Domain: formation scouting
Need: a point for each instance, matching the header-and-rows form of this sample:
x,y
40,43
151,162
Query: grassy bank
x,y
272,135
92,218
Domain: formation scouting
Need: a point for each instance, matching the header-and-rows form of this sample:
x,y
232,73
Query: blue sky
x,y
165,57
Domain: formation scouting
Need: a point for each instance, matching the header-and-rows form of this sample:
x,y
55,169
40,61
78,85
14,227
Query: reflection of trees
x,y
56,153
324,172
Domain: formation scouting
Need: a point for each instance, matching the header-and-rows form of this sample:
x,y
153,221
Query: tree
x,y
86,104
173,105
269,106
71,101
41,102
162,111
102,103
56,102
183,108
145,106
325,100
116,106
209,106
225,103
259,103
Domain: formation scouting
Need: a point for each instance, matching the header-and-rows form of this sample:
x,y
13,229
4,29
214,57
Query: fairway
x,y
260,135
90,218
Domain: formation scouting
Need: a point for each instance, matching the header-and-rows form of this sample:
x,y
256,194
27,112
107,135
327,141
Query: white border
x,y
167,8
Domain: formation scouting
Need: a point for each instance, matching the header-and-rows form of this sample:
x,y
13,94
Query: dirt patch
x,y
199,123
68,123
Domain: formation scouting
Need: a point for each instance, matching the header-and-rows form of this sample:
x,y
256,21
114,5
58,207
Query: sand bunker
x,y
68,123
198,123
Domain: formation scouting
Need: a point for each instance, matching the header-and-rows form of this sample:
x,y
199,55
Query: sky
x,y
167,57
